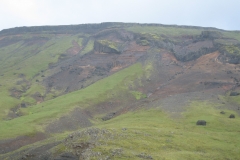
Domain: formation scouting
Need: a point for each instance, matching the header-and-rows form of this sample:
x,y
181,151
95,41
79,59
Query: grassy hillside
x,y
152,133
24,64
36,117
55,75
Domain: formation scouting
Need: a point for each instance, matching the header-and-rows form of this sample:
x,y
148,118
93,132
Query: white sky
x,y
223,14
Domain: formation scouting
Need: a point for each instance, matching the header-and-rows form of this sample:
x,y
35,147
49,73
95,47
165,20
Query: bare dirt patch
x,y
13,144
78,118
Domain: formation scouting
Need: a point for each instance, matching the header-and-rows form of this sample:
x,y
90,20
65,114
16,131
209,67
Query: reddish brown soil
x,y
75,49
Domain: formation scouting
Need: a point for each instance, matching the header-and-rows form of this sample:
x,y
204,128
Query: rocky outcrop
x,y
109,116
229,53
106,47
227,58
210,34
193,51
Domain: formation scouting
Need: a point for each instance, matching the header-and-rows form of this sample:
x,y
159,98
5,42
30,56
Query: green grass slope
x,y
32,61
37,116
146,133
151,133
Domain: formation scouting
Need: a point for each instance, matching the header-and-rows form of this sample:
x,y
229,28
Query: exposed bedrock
x,y
193,51
106,47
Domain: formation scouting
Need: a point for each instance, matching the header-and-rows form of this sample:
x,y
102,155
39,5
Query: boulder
x,y
234,94
222,112
232,116
201,122
108,116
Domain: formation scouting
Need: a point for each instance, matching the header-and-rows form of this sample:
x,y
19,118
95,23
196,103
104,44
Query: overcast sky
x,y
223,14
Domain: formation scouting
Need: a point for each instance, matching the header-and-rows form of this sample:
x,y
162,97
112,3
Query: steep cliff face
x,y
196,46
205,43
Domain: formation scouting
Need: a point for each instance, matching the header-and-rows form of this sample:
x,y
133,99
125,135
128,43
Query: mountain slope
x,y
57,79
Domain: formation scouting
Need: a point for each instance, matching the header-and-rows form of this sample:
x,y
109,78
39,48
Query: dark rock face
x,y
232,116
201,122
234,60
234,94
229,53
228,58
210,34
104,48
193,51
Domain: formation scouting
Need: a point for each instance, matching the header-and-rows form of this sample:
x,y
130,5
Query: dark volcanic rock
x,y
201,122
228,58
234,94
193,51
229,53
210,34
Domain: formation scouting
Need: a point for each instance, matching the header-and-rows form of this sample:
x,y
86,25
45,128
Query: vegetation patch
x,y
232,34
138,95
231,49
88,47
